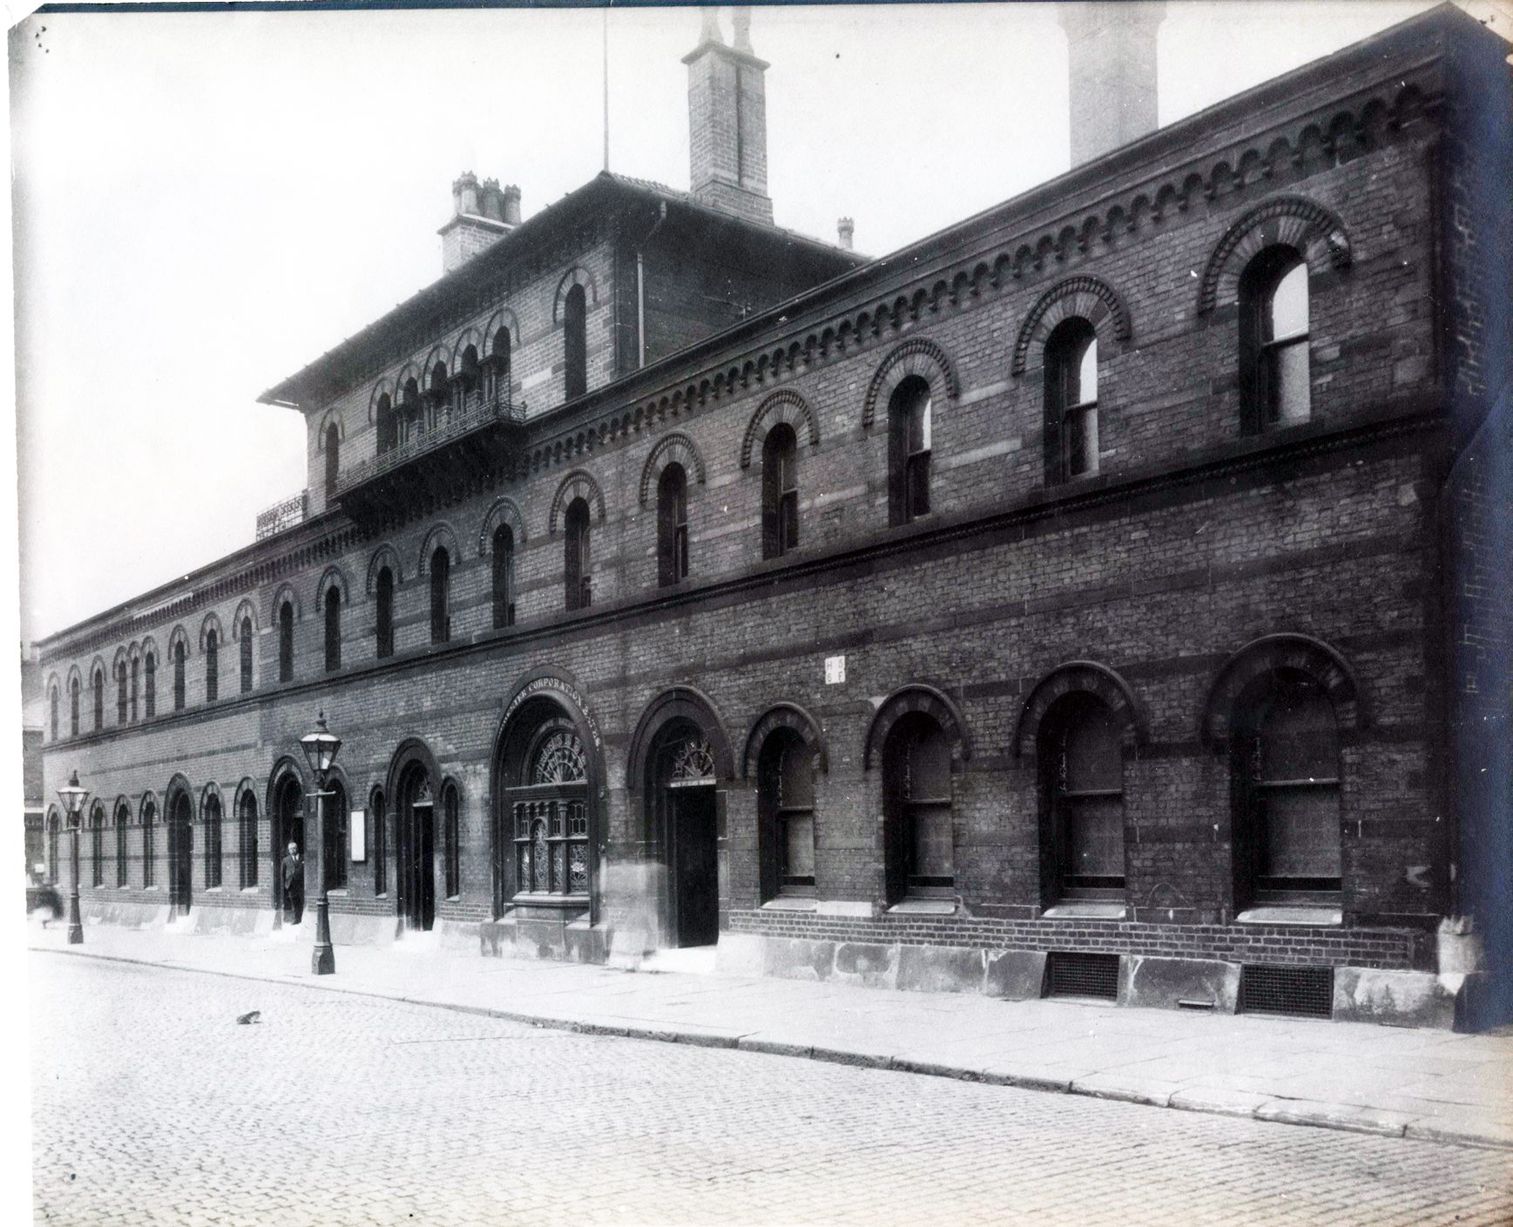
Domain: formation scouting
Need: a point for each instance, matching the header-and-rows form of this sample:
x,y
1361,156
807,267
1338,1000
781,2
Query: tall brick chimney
x,y
481,216
727,121
1111,57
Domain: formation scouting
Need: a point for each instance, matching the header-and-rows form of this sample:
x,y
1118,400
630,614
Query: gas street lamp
x,y
320,749
74,798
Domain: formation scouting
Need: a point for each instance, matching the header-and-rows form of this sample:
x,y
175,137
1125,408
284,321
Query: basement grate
x,y
1304,992
1077,974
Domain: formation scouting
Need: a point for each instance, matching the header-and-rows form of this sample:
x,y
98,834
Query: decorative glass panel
x,y
559,760
539,859
694,760
577,869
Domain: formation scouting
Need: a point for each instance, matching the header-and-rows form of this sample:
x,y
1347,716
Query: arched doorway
x,y
180,853
681,805
286,813
415,839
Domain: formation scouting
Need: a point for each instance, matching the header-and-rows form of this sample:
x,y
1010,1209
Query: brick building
x,y
1077,600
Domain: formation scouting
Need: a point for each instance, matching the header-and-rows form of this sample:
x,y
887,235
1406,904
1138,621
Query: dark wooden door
x,y
696,894
417,865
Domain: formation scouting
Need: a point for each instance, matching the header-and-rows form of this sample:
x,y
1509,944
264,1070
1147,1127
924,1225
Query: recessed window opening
x,y
150,695
438,396
246,655
286,642
379,842
135,676
917,809
73,707
451,840
575,343
1071,371
909,420
97,689
212,841
384,623
179,687
672,525
1274,316
333,460
334,836
496,386
333,629
247,840
780,491
149,820
123,820
121,692
97,845
576,560
504,576
1083,773
466,388
785,807
388,426
441,574
212,666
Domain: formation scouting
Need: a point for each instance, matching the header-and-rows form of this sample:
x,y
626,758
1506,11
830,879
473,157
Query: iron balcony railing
x,y
282,515
435,427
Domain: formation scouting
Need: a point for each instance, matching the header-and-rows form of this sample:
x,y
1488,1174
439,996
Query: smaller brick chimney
x,y
727,121
846,229
481,216
1111,59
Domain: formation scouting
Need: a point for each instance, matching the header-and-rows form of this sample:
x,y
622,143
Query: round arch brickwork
x,y
577,275
784,716
673,448
440,536
1313,657
503,511
917,356
1080,677
384,556
917,697
688,703
577,484
212,622
244,611
1088,298
1295,221
787,406
332,576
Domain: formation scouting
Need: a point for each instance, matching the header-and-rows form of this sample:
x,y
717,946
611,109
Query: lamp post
x,y
320,749
74,798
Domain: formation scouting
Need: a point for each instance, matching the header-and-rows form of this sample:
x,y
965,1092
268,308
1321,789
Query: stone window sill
x,y
1297,914
923,907
1086,910
784,904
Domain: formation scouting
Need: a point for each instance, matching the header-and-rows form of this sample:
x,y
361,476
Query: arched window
x,y
451,837
178,676
465,388
247,839
576,561
441,574
286,642
149,822
384,626
212,818
1286,766
53,824
785,814
388,427
780,491
335,838
672,525
1071,401
504,576
121,692
574,343
333,459
135,671
909,451
212,666
410,410
52,714
97,690
497,369
123,820
73,707
97,845
1274,375
150,693
333,629
1082,790
246,655
378,843
917,809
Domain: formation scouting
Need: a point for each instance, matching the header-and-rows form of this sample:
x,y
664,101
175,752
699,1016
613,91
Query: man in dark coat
x,y
294,885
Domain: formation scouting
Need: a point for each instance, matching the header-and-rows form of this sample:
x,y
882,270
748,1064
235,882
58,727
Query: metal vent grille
x,y
1306,992
1070,974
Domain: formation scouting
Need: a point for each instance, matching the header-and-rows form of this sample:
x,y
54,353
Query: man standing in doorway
x,y
294,885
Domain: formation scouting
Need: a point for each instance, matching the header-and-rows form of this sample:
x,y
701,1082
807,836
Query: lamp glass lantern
x,y
74,798
320,748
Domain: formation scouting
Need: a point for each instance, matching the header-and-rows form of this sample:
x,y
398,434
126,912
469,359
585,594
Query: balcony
x,y
438,445
282,515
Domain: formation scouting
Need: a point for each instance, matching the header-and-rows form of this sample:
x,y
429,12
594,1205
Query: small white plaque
x,y
835,670
357,826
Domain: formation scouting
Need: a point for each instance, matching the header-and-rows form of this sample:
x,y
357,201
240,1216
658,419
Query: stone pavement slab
x,y
1356,1077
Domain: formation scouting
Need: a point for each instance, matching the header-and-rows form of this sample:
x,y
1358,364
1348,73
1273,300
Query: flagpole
x,y
606,86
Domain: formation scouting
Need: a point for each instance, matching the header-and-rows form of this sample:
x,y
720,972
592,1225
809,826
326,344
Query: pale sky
x,y
207,201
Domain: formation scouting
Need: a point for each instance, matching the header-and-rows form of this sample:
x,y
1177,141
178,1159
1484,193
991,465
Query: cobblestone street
x,y
151,1105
